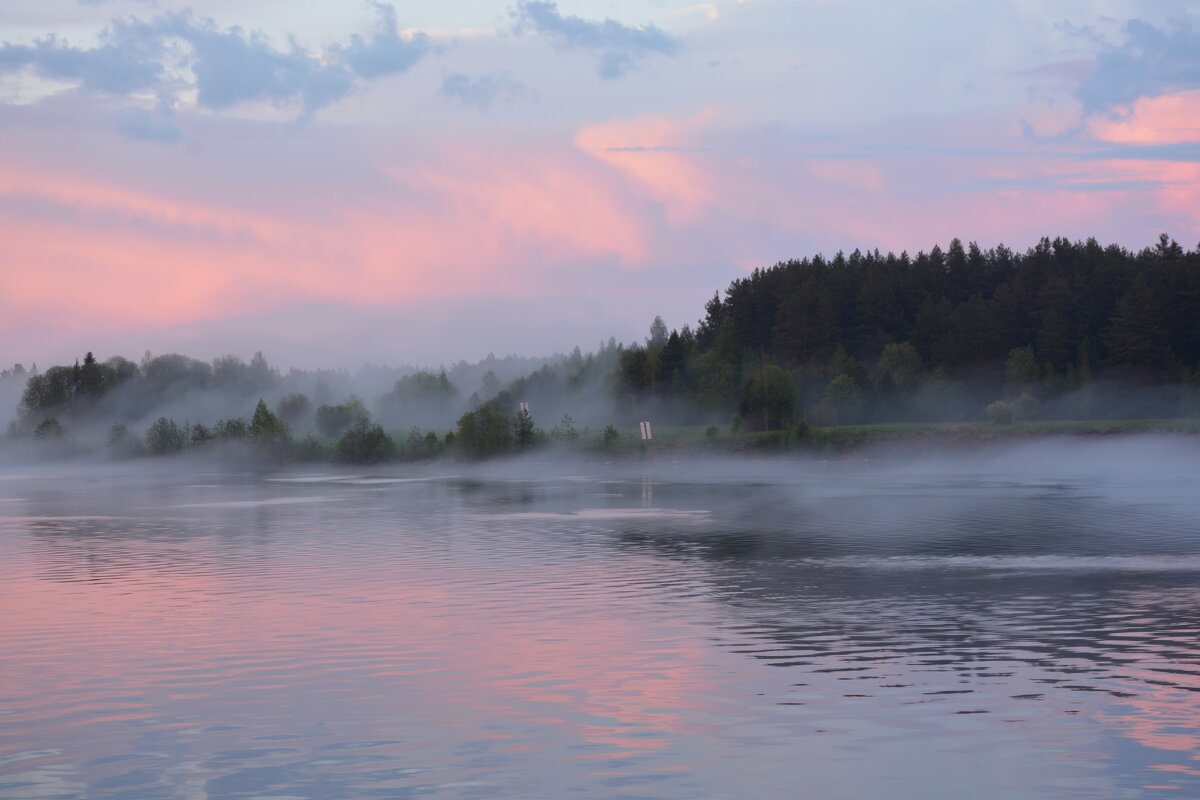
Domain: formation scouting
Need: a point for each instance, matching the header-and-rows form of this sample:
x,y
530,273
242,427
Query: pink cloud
x,y
91,196
1178,193
651,152
473,221
131,239
552,201
1169,119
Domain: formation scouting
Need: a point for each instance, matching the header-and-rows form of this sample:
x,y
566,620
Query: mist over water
x,y
1017,622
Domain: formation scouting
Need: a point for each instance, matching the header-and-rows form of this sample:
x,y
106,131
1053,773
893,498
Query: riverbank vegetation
x,y
818,353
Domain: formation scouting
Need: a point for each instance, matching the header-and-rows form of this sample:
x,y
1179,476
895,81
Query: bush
x,y
1023,409
309,449
418,445
1026,407
230,429
295,410
365,444
123,443
483,432
609,437
565,431
999,413
165,437
711,433
50,429
200,434
332,421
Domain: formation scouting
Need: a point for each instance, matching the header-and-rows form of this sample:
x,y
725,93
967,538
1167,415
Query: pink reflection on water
x,y
399,646
1163,711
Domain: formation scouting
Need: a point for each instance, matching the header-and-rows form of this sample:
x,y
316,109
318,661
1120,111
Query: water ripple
x,y
392,635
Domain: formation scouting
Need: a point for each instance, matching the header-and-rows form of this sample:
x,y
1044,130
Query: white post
x,y
646,433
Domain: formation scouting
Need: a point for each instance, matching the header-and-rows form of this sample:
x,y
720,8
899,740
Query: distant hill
x,y
942,334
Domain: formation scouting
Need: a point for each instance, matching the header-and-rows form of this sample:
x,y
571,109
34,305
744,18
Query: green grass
x,y
692,439
849,437
1047,427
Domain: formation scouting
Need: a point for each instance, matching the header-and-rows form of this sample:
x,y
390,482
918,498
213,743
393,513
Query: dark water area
x,y
1018,623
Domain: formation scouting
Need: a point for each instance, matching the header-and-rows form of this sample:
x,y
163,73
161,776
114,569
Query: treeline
x,y
939,336
92,388
119,390
111,406
1065,330
346,433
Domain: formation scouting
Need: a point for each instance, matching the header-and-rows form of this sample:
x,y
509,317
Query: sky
x,y
335,183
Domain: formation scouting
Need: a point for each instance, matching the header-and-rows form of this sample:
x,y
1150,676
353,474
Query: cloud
x,y
1164,120
128,59
621,46
233,67
655,154
386,52
253,230
481,91
1151,61
150,126
230,66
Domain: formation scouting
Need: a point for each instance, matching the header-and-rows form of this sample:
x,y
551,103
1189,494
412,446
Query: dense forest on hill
x,y
1074,328
1065,330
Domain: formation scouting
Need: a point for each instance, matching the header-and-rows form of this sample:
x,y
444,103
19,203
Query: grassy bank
x,y
917,435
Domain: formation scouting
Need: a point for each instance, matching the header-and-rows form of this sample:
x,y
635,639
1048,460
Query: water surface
x,y
1016,624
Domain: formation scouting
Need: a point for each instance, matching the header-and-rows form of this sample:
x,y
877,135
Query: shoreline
x,y
894,439
916,437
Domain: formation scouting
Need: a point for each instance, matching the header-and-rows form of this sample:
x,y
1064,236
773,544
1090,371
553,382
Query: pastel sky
x,y
339,182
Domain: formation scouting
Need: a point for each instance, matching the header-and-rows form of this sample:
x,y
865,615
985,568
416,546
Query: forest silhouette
x,y
1065,330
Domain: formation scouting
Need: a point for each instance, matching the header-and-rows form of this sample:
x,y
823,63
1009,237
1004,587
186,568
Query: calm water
x,y
1021,624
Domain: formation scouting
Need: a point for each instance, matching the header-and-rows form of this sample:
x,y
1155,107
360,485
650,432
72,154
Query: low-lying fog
x,y
875,625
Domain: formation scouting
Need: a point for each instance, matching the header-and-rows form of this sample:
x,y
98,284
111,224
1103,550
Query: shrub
x,y
123,443
365,443
609,437
50,429
200,434
230,429
999,412
309,449
295,409
1026,407
332,421
165,437
483,432
565,431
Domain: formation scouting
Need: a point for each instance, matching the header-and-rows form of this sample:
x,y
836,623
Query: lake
x,y
1014,623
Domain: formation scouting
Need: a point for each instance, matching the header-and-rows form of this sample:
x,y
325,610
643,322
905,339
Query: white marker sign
x,y
524,408
646,434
